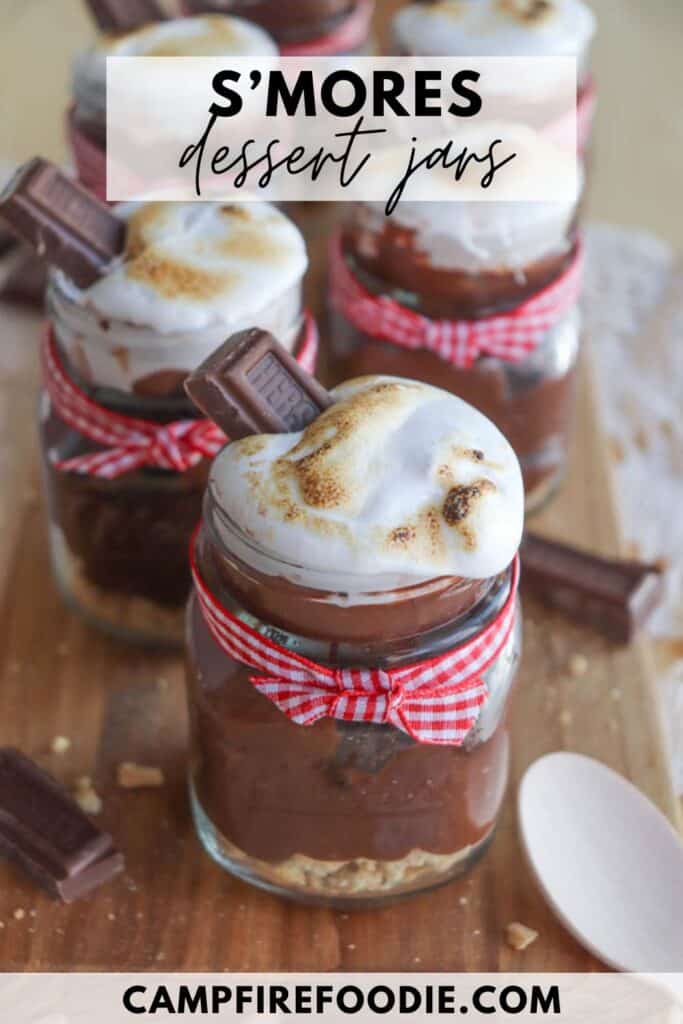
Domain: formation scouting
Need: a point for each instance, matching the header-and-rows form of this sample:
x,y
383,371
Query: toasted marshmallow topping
x,y
192,275
496,28
210,35
191,265
395,484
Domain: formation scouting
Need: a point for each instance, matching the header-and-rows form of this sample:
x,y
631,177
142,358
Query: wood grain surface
x,y
174,909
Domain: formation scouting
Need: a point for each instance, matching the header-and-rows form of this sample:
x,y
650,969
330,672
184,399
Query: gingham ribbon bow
x,y
131,443
435,701
510,336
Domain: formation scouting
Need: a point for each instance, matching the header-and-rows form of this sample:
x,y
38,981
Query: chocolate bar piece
x,y
614,597
23,278
44,830
252,385
124,15
64,224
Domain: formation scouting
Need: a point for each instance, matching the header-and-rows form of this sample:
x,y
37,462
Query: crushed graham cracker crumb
x,y
519,936
139,776
86,797
578,665
60,745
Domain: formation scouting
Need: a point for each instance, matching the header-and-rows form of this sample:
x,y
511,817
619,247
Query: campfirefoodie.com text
x,y
318,1000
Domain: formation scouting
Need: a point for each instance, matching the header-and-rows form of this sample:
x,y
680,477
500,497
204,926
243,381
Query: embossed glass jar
x,y
343,813
209,36
119,546
532,400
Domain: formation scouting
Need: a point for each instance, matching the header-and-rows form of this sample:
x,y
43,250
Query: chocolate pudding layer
x,y
315,613
393,261
119,546
297,21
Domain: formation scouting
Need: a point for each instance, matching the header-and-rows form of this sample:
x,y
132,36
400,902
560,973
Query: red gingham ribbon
x,y
132,443
435,701
509,336
91,164
345,38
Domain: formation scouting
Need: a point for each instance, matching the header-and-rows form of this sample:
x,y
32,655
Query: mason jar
x,y
509,28
119,543
343,813
465,263
497,28
209,36
337,26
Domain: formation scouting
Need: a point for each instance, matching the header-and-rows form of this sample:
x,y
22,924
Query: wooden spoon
x,y
608,861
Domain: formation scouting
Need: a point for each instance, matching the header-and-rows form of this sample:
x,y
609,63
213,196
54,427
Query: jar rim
x,y
388,649
365,588
60,287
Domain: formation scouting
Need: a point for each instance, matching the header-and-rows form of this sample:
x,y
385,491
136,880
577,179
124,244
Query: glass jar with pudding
x,y
376,552
505,28
477,274
125,455
206,36
302,27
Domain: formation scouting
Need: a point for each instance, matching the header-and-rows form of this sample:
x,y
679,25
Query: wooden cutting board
x,y
174,909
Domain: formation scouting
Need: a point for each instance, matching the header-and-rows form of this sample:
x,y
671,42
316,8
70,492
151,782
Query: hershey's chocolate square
x,y
252,385
62,222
